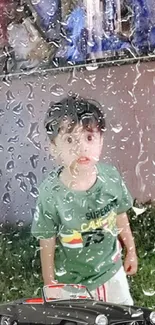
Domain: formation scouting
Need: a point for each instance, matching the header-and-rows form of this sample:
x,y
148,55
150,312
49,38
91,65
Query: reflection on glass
x,y
51,34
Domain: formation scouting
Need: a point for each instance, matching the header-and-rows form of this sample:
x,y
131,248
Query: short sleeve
x,y
45,223
125,200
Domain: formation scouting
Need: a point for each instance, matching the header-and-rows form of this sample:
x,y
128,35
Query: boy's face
x,y
80,148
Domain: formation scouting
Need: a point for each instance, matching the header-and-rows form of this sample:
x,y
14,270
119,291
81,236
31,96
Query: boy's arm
x,y
47,250
125,234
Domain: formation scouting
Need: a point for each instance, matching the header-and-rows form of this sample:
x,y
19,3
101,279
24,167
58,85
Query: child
x,y
82,207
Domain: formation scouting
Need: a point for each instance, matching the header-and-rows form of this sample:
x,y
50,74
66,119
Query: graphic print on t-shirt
x,y
93,229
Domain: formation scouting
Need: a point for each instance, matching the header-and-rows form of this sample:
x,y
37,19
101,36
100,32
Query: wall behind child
x,y
127,97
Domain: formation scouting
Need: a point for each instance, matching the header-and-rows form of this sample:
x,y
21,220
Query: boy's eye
x,y
89,137
69,139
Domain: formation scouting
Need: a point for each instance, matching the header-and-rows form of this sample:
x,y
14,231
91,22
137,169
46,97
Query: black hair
x,y
76,110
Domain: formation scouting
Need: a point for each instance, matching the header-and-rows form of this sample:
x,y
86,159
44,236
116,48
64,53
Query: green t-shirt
x,y
84,223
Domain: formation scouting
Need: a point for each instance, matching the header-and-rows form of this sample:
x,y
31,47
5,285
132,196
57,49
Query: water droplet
x,y
10,166
44,170
6,198
34,192
9,96
20,223
43,87
11,149
14,139
32,178
56,188
30,109
1,173
117,129
34,132
69,197
35,2
20,123
60,272
1,112
149,292
34,160
1,148
97,269
8,186
100,252
69,214
31,94
19,177
23,186
18,108
7,81
57,90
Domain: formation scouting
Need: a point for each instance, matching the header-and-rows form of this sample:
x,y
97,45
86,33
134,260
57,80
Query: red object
x,y
6,10
34,301
61,285
37,300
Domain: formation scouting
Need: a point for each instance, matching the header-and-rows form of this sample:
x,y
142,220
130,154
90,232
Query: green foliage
x,y
20,270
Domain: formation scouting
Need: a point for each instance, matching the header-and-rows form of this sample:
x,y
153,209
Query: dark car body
x,y
71,311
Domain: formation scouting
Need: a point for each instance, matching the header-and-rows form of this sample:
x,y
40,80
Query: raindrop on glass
x,y
6,198
35,2
43,88
30,109
44,170
8,186
69,214
20,123
23,186
34,160
11,149
18,108
1,112
34,192
1,148
14,139
19,177
60,272
7,81
69,197
30,94
150,292
10,166
57,90
9,96
32,178
117,129
34,132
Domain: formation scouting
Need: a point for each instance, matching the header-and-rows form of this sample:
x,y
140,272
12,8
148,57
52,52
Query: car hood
x,y
115,313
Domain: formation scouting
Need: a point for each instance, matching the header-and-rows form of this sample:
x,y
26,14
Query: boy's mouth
x,y
83,160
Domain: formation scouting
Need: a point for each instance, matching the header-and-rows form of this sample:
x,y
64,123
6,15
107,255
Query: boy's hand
x,y
131,263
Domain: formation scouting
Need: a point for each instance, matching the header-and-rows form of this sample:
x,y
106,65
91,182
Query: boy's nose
x,y
81,148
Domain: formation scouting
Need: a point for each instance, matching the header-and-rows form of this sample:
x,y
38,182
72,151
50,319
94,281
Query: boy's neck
x,y
80,180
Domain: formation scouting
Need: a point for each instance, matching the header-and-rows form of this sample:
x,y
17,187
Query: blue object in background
x,y
77,49
143,24
49,12
140,24
76,35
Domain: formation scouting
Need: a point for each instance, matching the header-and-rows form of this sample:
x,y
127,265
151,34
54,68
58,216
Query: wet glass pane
x,y
77,87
